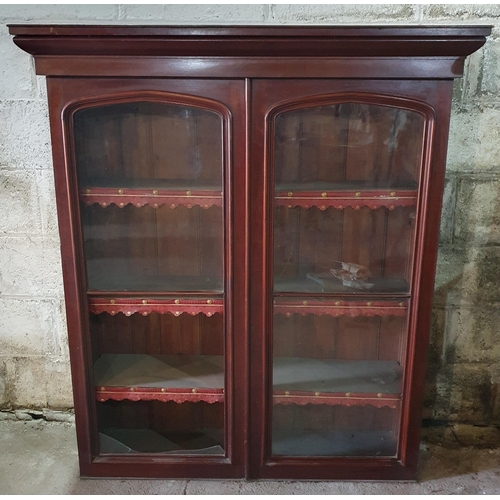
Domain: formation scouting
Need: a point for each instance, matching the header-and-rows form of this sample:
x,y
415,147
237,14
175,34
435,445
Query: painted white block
x,y
474,143
17,78
19,202
47,202
30,267
194,13
24,135
343,13
51,13
30,327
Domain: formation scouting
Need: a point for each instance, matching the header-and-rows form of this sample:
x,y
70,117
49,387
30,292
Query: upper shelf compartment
x,y
347,151
160,146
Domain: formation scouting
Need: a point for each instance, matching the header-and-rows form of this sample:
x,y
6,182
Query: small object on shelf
x,y
353,275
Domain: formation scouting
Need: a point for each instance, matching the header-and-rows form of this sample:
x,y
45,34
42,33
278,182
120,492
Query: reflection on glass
x,y
151,189
345,184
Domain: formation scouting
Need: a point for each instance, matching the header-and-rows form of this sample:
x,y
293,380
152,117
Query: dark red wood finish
x,y
429,98
253,72
80,93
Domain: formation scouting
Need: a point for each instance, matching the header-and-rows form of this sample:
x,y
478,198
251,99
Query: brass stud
x,y
290,194
104,204
316,393
288,315
173,205
348,394
323,195
188,193
102,400
379,395
132,389
305,302
287,393
356,207
121,205
155,205
289,206
340,207
209,314
337,303
369,304
144,301
193,391
189,205
393,193
138,205
209,301
205,206
120,191
87,191
113,301
113,313
391,207
193,314
176,301
177,313
155,191
358,194
322,207
145,313
401,304
128,313
103,388
163,389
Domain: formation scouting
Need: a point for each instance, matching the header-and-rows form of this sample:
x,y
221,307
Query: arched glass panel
x,y
345,197
150,178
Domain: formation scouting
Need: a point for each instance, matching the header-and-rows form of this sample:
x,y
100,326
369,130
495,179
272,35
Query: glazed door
x,y
334,285
154,176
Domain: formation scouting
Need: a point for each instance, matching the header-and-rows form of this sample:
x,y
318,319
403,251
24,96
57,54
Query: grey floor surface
x,y
39,457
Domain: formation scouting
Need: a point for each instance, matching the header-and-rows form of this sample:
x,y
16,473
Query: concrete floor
x,y
40,457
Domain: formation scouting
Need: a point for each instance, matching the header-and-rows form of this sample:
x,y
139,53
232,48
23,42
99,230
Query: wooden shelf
x,y
118,275
327,285
145,306
310,443
171,196
331,307
179,378
183,378
354,195
336,382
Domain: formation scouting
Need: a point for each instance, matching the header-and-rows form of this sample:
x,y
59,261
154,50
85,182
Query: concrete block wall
x,y
463,376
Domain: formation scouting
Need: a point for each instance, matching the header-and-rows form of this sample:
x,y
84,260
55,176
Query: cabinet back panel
x,y
158,334
327,337
146,141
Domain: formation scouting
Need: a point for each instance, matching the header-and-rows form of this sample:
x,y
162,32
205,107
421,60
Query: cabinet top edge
x,y
118,30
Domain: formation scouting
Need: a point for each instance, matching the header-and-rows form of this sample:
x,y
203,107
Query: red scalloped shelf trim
x,y
217,396
341,308
153,197
333,399
159,394
347,199
208,307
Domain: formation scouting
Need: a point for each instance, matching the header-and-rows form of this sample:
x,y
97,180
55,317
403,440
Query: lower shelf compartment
x,y
185,378
310,443
201,442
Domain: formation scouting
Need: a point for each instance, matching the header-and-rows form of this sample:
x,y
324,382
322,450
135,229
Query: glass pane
x,y
345,195
151,191
165,160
